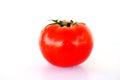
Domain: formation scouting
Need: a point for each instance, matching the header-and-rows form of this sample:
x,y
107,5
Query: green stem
x,y
64,23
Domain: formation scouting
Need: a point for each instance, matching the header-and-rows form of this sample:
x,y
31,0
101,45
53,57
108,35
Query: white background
x,y
22,20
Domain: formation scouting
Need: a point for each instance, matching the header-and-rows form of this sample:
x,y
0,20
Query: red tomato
x,y
65,43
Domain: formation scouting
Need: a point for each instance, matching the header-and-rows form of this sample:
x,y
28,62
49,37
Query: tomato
x,y
66,43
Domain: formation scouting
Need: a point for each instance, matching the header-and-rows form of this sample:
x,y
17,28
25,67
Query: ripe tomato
x,y
65,43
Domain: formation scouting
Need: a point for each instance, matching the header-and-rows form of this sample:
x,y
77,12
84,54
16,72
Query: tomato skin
x,y
66,46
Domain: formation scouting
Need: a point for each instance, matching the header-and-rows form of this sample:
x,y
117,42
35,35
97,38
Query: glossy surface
x,y
66,46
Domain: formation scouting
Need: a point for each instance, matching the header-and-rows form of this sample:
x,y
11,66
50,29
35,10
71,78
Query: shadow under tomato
x,y
71,73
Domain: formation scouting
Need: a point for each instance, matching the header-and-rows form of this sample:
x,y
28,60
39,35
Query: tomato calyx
x,y
64,23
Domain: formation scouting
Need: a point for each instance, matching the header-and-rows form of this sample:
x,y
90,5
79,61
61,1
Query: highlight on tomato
x,y
66,43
